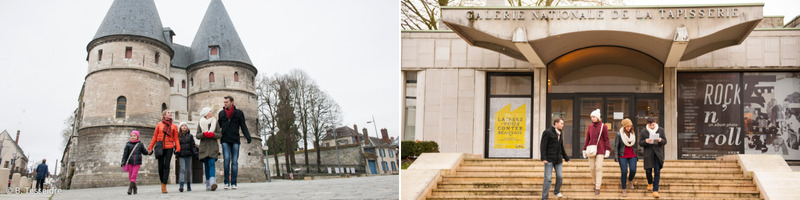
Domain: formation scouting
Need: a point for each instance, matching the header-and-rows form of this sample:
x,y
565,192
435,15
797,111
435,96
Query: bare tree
x,y
303,89
422,14
266,90
66,133
324,112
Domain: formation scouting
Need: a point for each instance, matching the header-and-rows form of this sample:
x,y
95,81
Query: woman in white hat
x,y
208,150
596,148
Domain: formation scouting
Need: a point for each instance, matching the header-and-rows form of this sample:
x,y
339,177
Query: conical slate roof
x,y
217,30
132,17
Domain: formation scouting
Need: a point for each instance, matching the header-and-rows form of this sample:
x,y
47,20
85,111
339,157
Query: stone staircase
x,y
522,179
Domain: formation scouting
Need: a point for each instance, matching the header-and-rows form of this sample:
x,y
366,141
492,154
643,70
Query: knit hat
x,y
181,124
135,132
626,122
596,113
205,111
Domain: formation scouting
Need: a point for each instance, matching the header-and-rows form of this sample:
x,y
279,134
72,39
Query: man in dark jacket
x,y
552,151
653,153
230,120
41,173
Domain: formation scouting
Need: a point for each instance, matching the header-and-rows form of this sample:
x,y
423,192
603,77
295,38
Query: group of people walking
x,y
597,148
169,139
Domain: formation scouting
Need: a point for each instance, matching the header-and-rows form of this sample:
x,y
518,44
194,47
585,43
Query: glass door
x,y
563,108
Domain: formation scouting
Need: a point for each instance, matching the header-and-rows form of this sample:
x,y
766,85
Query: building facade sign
x,y
771,111
709,118
509,124
591,14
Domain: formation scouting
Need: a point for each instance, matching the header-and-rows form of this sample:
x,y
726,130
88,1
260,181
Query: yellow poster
x,y
509,128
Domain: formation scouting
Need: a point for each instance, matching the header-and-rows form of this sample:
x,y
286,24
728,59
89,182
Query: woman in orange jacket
x,y
167,132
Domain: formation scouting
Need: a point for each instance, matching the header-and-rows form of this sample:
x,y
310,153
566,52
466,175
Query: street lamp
x,y
336,144
266,155
380,147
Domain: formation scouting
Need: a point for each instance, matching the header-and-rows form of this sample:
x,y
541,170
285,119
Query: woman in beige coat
x,y
208,150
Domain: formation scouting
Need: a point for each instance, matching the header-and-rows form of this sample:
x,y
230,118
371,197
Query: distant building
x,y
11,155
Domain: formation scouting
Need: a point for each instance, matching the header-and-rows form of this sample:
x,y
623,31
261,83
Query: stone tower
x,y
125,89
136,71
221,67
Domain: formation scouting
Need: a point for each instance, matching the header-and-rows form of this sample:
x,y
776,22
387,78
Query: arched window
x,y
163,106
121,106
183,84
236,76
211,77
171,82
192,81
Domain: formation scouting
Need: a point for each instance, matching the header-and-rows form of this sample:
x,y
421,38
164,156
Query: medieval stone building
x,y
135,71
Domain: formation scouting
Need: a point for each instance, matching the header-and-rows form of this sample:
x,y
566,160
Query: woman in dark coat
x,y
626,154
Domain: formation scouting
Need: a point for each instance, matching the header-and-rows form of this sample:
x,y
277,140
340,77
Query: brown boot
x,y
649,187
630,185
655,195
163,188
624,193
596,191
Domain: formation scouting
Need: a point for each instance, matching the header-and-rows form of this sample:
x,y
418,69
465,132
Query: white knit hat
x,y
205,111
596,113
181,124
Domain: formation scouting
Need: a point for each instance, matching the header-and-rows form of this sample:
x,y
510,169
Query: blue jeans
x,y
209,165
185,171
230,164
650,179
548,174
624,164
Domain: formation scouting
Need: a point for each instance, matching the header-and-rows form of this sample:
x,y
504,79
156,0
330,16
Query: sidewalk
x,y
374,187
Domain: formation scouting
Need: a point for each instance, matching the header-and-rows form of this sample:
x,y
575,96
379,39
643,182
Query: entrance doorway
x,y
575,108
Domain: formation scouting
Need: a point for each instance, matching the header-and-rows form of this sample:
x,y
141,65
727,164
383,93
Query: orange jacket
x,y
171,141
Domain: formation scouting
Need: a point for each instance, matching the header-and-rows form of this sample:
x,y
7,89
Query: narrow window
x,y
214,50
183,84
191,81
236,76
211,77
171,82
163,107
100,55
128,52
157,56
121,103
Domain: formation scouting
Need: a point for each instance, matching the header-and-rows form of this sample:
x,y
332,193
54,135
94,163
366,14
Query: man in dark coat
x,y
41,173
552,151
230,120
653,153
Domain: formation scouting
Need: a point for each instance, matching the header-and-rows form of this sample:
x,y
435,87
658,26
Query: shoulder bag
x,y
591,150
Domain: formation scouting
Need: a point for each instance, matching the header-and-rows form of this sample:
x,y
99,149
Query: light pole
x,y
380,147
266,155
336,144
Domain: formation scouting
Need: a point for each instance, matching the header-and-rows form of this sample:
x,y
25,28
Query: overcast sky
x,y
350,47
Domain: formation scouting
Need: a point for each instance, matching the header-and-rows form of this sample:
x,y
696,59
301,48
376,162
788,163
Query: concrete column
x,y
15,180
671,112
479,123
4,172
539,108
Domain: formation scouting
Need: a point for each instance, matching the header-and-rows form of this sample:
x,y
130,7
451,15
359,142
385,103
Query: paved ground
x,y
374,187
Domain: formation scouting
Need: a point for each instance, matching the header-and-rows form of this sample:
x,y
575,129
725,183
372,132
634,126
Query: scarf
x,y
204,124
168,123
652,131
229,111
629,141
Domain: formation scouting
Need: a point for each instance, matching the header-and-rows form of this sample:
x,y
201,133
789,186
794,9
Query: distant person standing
x,y
653,153
41,173
230,120
552,151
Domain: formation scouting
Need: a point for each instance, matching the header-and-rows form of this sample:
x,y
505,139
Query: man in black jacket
x,y
230,120
653,153
552,151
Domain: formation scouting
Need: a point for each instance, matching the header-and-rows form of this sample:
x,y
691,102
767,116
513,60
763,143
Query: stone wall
x,y
349,156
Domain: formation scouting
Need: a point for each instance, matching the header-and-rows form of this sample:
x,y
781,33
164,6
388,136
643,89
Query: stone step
x,y
573,169
608,178
588,185
530,197
585,160
667,164
641,193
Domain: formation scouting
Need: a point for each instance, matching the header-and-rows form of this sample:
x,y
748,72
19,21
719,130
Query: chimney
x,y
355,127
16,141
366,136
385,136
